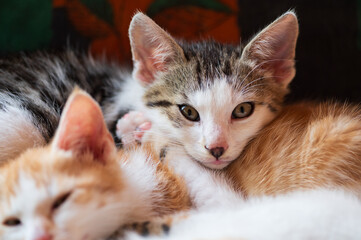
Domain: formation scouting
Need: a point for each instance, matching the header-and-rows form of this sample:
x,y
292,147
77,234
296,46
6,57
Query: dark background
x,y
328,58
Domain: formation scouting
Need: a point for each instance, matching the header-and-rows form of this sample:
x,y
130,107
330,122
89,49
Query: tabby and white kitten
x,y
208,99
79,187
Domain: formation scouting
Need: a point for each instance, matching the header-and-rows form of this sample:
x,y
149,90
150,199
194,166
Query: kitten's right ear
x,y
153,49
82,129
273,49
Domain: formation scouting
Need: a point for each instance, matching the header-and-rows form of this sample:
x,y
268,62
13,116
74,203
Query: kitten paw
x,y
131,127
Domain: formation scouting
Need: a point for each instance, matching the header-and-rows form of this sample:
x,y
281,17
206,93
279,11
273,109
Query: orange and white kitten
x,y
79,187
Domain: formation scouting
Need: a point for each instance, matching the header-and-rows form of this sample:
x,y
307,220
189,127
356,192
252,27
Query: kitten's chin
x,y
211,163
216,164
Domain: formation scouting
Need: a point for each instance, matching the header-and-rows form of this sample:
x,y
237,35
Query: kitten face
x,y
228,109
209,99
51,195
218,128
72,189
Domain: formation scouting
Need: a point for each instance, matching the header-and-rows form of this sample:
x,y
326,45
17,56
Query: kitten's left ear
x,y
153,49
82,129
273,49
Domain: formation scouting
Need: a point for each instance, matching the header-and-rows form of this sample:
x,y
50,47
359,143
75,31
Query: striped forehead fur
x,y
207,62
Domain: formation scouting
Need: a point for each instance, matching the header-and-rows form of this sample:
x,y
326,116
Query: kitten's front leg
x,y
131,127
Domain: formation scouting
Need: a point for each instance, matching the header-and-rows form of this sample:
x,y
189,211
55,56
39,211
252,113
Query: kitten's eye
x,y
243,110
12,222
60,200
189,113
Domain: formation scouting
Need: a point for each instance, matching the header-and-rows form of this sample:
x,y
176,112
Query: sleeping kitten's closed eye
x,y
60,200
16,221
11,222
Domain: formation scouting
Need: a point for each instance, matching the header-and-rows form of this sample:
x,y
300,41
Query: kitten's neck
x,y
207,188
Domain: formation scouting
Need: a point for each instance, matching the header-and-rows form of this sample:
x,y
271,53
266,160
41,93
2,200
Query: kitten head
x,y
209,99
72,189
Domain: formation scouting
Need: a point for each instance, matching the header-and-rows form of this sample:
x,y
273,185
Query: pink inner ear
x,y
82,129
284,53
153,49
148,65
274,48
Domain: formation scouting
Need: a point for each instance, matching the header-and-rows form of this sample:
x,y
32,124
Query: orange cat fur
x,y
79,187
308,145
304,145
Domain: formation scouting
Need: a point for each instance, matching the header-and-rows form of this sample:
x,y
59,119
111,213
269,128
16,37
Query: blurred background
x,y
328,51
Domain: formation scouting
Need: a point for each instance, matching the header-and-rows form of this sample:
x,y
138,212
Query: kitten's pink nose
x,y
45,236
217,150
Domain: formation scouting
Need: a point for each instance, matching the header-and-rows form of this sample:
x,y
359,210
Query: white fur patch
x,y
318,214
140,172
207,189
17,132
129,98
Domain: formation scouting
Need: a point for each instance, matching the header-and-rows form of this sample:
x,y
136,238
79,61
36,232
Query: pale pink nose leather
x,y
45,236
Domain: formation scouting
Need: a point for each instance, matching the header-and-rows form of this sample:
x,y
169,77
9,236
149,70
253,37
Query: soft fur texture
x,y
318,214
79,187
269,151
309,145
34,88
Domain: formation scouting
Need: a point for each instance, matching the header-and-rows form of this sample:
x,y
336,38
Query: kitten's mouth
x,y
217,164
211,163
